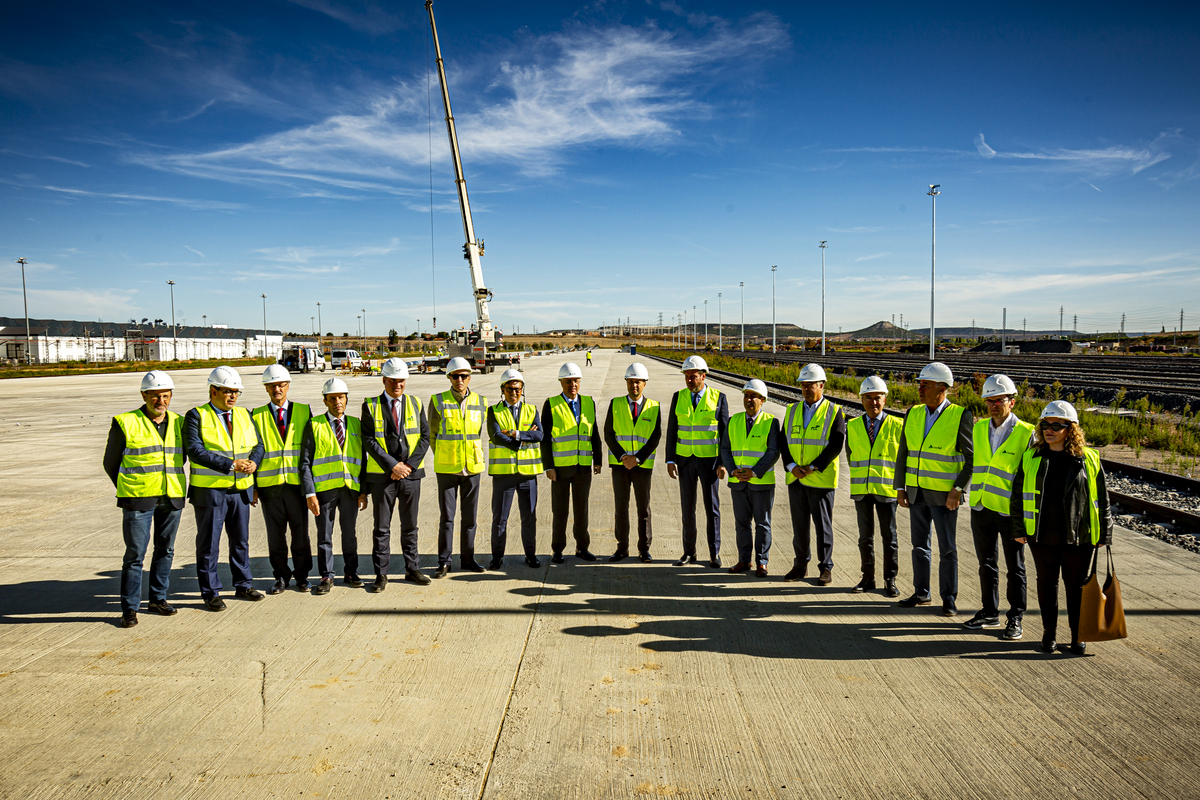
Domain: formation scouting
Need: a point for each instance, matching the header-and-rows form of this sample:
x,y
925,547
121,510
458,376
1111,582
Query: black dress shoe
x,y
324,586
442,571
949,610
714,562
302,585
249,594
277,587
1049,646
381,582
557,558
889,588
916,600
865,585
584,555
214,603
683,559
417,577
353,581
532,561
469,566
645,558
620,555
1077,648
162,607
496,563
128,619
795,574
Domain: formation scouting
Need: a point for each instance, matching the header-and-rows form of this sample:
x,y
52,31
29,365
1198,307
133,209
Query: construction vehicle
x,y
480,344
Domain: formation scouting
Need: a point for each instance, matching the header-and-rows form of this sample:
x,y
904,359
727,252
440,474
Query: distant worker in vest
x,y
933,469
395,434
514,462
1060,507
631,431
749,451
872,442
280,424
699,415
814,435
224,449
457,428
331,473
144,460
571,455
589,356
999,442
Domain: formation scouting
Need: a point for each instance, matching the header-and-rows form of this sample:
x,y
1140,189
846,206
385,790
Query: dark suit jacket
x,y
610,434
308,448
534,434
114,453
761,467
397,445
965,443
198,454
828,454
548,444
673,425
278,490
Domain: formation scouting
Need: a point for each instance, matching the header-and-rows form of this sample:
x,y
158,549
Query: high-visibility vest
x,y
993,473
456,444
333,465
281,458
633,437
933,461
571,441
873,464
748,448
1031,495
411,431
527,458
215,436
151,465
697,426
806,443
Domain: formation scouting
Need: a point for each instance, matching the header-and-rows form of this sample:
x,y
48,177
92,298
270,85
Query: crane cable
x,y
429,125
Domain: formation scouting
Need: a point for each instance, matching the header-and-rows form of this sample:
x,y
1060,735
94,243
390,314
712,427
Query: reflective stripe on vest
x,y
748,448
933,461
631,437
215,437
875,473
806,443
993,473
281,459
412,427
334,466
456,442
571,442
697,427
151,465
527,459
1031,500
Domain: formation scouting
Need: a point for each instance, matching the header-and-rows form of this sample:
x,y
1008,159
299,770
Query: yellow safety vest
x,y
748,448
933,461
281,459
151,465
571,441
630,436
875,473
412,427
527,459
1031,499
333,465
456,444
697,426
993,473
807,443
215,436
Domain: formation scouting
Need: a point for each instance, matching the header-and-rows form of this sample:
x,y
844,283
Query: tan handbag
x,y
1101,616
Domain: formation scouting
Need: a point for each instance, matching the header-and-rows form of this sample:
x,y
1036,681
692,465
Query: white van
x,y
346,359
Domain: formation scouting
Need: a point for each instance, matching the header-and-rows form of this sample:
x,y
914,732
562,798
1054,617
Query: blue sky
x,y
624,159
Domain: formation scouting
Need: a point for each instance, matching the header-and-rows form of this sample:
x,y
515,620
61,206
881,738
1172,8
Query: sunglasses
x,y
1055,426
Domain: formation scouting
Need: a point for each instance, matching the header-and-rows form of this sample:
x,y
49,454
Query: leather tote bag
x,y
1101,616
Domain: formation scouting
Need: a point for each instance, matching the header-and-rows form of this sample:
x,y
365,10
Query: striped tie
x,y
340,431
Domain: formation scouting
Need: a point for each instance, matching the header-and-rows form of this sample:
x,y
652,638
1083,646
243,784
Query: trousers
x,y
504,488
344,504
811,505
231,512
385,497
986,527
753,507
922,518
570,496
867,508
693,470
449,488
282,509
1074,561
638,481
136,531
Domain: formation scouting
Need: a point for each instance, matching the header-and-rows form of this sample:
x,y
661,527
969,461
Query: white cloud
x,y
983,148
1102,161
365,17
194,250
872,257
106,304
200,205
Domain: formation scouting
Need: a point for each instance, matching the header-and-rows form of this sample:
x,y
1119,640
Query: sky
x,y
624,160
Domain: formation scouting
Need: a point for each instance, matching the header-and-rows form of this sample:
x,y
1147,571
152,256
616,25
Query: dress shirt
x,y
810,409
873,425
998,433
932,416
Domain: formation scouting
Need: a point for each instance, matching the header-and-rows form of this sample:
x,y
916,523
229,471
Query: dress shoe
x,y
277,587
620,555
948,610
645,558
825,578
496,563
795,574
532,561
557,558
1049,646
469,566
1077,648
417,577
302,585
889,588
686,559
128,619
214,603
740,566
381,582
442,571
916,600
162,607
865,585
324,586
584,555
353,581
714,562
249,594
761,570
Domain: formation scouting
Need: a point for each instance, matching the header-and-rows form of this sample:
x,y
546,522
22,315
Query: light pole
x,y
312,322
742,286
693,327
720,327
204,319
773,308
823,246
25,297
174,334
319,326
933,193
705,323
264,298
364,319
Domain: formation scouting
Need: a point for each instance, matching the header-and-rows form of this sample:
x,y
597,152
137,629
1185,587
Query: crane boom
x,y
472,250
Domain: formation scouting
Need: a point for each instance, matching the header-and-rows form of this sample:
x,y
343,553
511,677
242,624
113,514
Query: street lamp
x,y
264,297
174,334
25,297
319,326
773,308
204,320
720,328
312,323
822,246
933,193
706,323
693,327
742,286
364,319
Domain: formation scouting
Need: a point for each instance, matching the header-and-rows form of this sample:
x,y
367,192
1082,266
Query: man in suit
x,y
514,462
749,451
571,455
395,436
280,424
224,450
631,431
457,423
694,429
331,474
872,442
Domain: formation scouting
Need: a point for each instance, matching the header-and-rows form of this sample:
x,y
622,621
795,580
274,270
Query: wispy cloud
x,y
200,205
365,17
79,303
59,159
194,250
872,257
1095,161
301,255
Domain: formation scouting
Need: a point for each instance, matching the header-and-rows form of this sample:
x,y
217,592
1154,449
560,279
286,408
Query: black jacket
x,y
965,444
193,443
397,445
762,466
673,426
828,454
548,444
1078,502
610,434
308,451
114,454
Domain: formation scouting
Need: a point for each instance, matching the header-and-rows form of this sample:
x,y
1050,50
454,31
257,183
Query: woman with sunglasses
x,y
1061,509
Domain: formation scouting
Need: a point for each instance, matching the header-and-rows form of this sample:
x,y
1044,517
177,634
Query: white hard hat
x,y
394,368
637,370
873,384
756,386
694,362
812,373
457,364
938,372
569,370
511,375
1061,409
226,378
335,386
997,385
275,374
156,380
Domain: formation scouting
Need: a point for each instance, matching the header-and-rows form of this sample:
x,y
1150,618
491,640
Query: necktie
x,y
871,429
749,424
228,415
280,422
695,399
574,408
396,414
340,431
633,408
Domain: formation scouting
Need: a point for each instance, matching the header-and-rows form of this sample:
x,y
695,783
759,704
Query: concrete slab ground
x,y
574,681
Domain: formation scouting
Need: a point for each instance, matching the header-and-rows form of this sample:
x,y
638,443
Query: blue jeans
x,y
942,519
135,529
